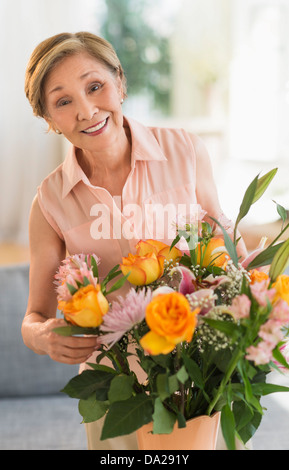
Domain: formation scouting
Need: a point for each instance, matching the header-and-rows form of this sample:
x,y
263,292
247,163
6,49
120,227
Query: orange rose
x,y
159,248
86,307
215,253
171,321
142,270
257,276
282,288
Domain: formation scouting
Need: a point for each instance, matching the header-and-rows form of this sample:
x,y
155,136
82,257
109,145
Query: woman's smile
x,y
97,128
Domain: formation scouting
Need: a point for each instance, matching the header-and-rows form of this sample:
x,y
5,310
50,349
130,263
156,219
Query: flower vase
x,y
199,434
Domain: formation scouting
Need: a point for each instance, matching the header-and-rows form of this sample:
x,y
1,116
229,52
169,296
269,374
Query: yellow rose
x,y
142,270
86,307
281,285
159,248
171,321
215,250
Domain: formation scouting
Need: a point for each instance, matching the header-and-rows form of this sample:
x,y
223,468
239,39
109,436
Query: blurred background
x,y
218,68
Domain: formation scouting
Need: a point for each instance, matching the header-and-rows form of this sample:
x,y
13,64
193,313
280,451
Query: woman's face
x,y
83,101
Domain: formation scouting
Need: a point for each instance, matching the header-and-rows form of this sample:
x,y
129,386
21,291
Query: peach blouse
x,y
90,220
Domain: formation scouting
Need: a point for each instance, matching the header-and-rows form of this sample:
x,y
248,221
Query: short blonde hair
x,y
52,50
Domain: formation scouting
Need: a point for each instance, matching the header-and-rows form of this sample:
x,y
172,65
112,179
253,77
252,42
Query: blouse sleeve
x,y
46,213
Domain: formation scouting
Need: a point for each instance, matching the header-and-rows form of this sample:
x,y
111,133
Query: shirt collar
x,y
144,147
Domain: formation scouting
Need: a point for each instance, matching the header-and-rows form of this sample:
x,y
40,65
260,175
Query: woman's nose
x,y
86,110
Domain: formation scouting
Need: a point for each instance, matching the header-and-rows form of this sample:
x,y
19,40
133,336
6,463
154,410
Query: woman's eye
x,y
95,87
62,103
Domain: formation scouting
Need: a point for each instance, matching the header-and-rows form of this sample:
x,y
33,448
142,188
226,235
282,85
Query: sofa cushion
x,y
22,372
50,422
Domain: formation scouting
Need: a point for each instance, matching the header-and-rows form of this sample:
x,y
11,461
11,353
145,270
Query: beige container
x,y
199,434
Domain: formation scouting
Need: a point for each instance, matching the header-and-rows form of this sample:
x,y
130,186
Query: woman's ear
x,y
51,127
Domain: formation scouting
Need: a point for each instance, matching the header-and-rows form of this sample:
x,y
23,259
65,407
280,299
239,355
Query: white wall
x,y
27,153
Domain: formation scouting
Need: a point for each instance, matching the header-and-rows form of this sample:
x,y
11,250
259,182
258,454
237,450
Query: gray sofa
x,y
34,415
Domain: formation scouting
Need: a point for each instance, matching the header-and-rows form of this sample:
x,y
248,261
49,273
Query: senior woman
x,y
76,83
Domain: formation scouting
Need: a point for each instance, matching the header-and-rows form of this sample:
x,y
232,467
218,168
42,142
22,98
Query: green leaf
x,y
102,367
72,330
250,428
94,267
229,328
175,241
243,414
250,397
182,375
228,426
163,420
92,409
71,288
248,200
173,384
254,191
263,183
231,248
162,384
167,385
111,275
118,284
194,371
265,257
89,381
281,211
127,416
263,389
121,388
280,358
86,281
280,261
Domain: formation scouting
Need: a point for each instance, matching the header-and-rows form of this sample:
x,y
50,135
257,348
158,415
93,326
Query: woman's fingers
x,y
69,349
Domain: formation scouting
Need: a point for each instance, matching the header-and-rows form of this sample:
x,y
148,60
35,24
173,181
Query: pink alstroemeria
x,y
271,332
74,269
261,292
194,219
280,312
240,306
125,313
260,354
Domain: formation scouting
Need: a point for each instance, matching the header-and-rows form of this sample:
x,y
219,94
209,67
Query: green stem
x,y
122,365
182,388
232,366
124,368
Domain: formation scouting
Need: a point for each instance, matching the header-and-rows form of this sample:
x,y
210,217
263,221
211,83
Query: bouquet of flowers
x,y
204,328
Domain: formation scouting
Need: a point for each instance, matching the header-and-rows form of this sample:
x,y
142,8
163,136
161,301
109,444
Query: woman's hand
x,y
39,336
67,349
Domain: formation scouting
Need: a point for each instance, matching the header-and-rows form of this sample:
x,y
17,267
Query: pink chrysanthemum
x,y
125,313
74,269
